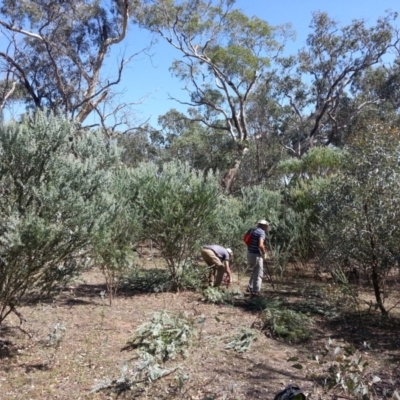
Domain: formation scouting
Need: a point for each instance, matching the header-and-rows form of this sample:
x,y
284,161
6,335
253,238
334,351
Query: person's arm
x,y
268,249
261,246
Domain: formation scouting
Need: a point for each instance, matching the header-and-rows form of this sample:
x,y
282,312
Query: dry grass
x,y
95,333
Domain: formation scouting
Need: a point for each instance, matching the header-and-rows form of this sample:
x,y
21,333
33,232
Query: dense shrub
x,y
54,183
113,246
177,204
165,336
287,324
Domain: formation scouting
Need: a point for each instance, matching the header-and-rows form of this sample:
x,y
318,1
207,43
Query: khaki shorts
x,y
210,258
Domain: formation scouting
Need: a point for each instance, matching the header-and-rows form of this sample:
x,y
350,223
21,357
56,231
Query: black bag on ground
x,y
291,392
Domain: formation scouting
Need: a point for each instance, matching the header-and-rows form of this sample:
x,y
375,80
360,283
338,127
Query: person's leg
x,y
259,274
220,275
256,262
251,260
211,276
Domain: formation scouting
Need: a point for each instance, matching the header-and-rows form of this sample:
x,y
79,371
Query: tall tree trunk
x,y
377,289
376,281
231,173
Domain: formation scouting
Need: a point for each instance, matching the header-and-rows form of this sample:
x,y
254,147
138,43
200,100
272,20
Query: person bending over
x,y
217,258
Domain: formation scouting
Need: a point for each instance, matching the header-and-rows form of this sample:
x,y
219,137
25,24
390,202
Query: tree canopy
x,y
54,55
225,54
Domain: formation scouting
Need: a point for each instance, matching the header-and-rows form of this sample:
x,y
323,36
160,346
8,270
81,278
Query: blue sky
x,y
148,81
151,77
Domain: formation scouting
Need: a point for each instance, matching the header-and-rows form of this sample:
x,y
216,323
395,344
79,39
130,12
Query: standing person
x,y
218,258
256,255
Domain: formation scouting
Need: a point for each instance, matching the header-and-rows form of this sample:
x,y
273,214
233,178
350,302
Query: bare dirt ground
x,y
96,333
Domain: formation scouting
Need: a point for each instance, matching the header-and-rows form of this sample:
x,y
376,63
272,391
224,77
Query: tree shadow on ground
x,y
331,320
152,280
262,374
261,371
72,302
377,332
82,295
7,347
69,296
155,280
36,367
89,290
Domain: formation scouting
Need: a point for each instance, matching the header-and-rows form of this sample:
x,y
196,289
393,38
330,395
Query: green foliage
x,y
259,165
157,280
242,341
215,295
177,204
260,303
53,199
287,324
318,161
307,178
220,295
186,139
113,246
226,229
257,202
348,372
304,195
60,54
142,280
360,212
313,306
260,201
292,239
165,336
142,145
195,277
161,339
318,88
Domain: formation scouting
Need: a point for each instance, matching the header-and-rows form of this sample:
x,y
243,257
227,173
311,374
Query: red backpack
x,y
247,237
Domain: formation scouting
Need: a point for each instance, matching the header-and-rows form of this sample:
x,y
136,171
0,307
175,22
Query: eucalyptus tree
x,y
144,143
382,83
316,88
224,54
55,53
378,86
205,149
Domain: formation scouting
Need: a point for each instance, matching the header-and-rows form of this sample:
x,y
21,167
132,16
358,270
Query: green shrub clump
x,y
165,336
287,324
215,295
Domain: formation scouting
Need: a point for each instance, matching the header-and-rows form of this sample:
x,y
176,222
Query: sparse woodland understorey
x,y
309,141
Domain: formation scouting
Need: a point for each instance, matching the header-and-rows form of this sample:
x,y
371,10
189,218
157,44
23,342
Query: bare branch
x,y
22,31
23,77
